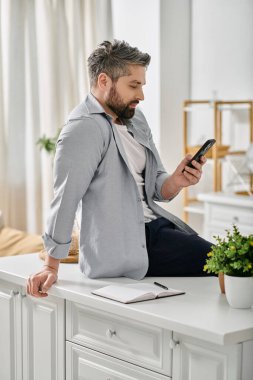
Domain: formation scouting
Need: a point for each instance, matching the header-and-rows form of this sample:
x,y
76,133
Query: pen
x,y
161,286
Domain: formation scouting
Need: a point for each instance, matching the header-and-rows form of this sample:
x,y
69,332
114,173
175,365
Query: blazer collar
x,y
94,107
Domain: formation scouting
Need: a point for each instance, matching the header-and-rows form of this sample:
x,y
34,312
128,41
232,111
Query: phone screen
x,y
202,151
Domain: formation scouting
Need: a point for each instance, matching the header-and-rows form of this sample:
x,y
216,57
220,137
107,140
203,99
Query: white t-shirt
x,y
136,157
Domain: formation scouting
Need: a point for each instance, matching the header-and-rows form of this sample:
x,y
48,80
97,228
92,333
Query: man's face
x,y
125,94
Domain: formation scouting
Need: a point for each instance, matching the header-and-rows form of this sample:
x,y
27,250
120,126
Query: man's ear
x,y
104,82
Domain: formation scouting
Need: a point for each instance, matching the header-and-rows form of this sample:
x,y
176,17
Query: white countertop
x,y
227,199
201,313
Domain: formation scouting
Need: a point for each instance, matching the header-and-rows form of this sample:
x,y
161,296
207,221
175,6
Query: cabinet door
x,y
194,359
123,338
43,338
86,364
10,332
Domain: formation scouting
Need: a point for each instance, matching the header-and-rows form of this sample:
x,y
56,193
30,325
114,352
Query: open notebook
x,y
135,292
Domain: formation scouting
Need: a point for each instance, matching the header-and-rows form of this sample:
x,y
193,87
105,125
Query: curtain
x,y
44,47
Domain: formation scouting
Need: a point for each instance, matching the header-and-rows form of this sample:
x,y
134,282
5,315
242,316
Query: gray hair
x,y
113,58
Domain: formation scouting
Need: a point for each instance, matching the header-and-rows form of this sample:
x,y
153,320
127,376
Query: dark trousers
x,y
172,252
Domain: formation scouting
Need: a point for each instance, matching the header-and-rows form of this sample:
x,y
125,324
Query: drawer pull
x,y
110,333
173,344
14,293
235,219
21,296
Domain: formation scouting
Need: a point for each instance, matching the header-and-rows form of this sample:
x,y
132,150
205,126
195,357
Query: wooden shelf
x,y
222,150
219,150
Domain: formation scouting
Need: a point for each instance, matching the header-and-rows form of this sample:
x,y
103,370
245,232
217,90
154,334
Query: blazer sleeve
x,y
79,151
161,174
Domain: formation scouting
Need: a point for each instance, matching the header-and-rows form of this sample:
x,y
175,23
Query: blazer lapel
x,y
119,144
138,136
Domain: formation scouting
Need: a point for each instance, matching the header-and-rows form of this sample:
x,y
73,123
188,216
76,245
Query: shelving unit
x,y
219,150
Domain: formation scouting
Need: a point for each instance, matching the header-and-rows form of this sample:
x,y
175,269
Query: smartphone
x,y
202,151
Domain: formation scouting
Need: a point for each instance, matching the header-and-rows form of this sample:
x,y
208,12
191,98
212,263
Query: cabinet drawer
x,y
231,215
85,364
126,339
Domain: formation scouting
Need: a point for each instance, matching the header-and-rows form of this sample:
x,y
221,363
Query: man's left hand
x,y
183,176
186,176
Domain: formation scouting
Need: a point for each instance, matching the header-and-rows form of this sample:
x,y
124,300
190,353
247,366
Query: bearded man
x,y
106,159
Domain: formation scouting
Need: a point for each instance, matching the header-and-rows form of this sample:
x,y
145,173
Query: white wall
x,y
222,62
197,47
175,84
137,22
222,49
161,28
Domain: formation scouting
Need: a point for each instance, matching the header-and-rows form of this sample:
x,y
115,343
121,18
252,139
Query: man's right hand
x,y
38,284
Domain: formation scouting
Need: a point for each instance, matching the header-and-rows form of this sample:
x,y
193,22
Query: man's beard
x,y
115,103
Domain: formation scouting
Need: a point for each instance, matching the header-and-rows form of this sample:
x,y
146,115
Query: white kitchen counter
x,y
201,313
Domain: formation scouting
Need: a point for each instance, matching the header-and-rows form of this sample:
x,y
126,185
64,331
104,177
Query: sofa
x,y
15,242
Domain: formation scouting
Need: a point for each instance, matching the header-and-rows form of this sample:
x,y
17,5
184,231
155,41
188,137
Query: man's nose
x,y
140,95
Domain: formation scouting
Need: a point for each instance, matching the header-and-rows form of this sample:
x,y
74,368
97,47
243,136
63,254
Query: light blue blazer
x,y
91,167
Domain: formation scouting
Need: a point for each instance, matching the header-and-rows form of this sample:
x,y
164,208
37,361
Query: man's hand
x,y
38,284
183,176
186,176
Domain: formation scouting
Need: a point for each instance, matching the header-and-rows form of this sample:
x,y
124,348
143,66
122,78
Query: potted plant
x,y
48,143
233,257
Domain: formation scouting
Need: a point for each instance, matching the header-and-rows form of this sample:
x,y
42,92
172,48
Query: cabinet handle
x,y
235,219
21,296
173,344
14,293
110,333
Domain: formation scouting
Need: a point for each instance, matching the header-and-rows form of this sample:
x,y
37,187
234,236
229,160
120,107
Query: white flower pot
x,y
239,291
